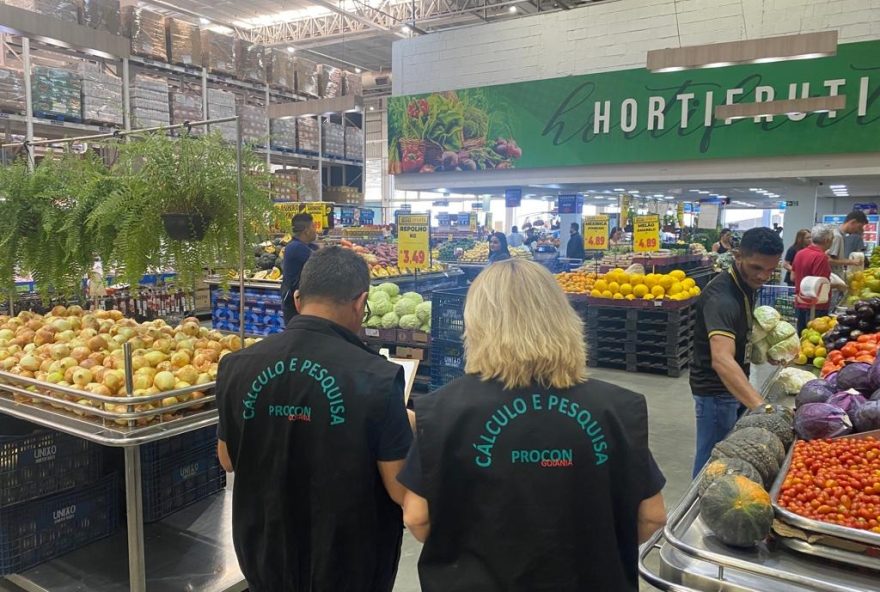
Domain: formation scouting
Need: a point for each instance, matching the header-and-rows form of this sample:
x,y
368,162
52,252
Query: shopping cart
x,y
779,297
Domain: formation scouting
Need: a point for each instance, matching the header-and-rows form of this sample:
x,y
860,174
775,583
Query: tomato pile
x,y
863,349
836,481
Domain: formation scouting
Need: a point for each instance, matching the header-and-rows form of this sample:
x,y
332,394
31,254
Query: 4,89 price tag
x,y
596,233
646,234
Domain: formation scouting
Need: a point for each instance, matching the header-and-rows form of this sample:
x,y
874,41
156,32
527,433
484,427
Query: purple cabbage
x,y
814,391
875,396
874,375
831,379
849,401
821,420
854,376
867,416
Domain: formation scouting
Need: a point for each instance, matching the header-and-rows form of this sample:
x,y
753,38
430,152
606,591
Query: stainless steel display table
x,y
179,549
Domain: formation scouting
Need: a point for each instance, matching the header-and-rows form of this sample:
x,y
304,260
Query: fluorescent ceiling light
x,y
441,189
512,10
291,49
668,197
357,70
372,108
620,190
658,195
783,107
694,190
837,186
203,21
405,29
750,51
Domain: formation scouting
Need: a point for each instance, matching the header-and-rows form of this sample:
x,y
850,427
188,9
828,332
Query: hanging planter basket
x,y
186,227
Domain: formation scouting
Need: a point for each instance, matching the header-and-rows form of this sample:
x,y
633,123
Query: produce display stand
x,y
86,417
640,337
686,557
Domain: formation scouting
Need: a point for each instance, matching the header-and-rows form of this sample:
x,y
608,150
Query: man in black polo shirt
x,y
719,374
314,425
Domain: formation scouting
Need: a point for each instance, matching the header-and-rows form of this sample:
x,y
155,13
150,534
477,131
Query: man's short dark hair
x,y
858,216
761,241
575,226
514,230
334,274
301,223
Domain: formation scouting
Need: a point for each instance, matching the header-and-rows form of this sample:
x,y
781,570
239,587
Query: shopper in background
x,y
616,236
313,424
515,239
575,247
296,253
524,474
498,250
811,261
800,242
719,376
853,243
854,223
531,238
725,242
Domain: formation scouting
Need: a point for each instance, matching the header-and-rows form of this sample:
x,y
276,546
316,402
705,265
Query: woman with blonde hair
x,y
525,475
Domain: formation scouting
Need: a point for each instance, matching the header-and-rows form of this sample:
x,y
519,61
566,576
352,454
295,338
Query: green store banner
x,y
635,116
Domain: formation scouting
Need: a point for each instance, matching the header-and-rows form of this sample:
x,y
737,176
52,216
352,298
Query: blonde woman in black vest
x,y
525,475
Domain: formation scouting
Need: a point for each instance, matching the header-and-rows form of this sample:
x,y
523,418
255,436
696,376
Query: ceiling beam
x,y
359,18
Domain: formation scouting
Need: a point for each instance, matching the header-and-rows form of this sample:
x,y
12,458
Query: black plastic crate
x,y
196,439
43,529
45,462
447,362
447,314
180,479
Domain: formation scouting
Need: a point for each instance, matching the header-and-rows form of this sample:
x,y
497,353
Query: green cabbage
x,y
767,317
380,307
413,296
782,331
410,321
378,296
389,288
786,350
423,311
390,320
425,328
405,306
374,322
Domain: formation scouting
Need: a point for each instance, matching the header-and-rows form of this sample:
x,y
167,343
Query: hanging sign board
x,y
464,219
513,198
708,218
473,222
646,234
414,241
595,233
319,210
444,219
570,204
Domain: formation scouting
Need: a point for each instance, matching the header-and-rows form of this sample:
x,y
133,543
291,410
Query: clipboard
x,y
410,367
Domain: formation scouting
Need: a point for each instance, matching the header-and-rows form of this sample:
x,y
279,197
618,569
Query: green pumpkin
x,y
758,447
737,510
786,413
724,467
772,422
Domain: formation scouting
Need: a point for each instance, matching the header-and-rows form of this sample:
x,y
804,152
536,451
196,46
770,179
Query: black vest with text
x,y
532,490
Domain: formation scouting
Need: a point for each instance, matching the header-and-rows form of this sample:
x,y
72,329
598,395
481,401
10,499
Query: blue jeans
x,y
716,415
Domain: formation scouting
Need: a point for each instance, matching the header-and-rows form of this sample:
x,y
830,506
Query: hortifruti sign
x,y
636,116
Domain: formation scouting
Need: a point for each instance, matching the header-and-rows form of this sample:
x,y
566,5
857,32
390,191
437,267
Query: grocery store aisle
x,y
671,422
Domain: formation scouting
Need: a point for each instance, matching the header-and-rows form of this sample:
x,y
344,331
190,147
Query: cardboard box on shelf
x,y
330,81
344,195
57,92
281,73
253,124
354,143
250,61
285,185
306,77
309,184
101,95
184,42
149,102
186,105
103,15
221,104
283,134
146,29
307,135
334,139
353,84
218,52
11,90
66,10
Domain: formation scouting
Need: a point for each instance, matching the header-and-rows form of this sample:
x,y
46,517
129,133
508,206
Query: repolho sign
x,y
635,116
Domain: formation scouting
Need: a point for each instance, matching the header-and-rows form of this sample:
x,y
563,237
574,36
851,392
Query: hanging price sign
x,y
646,234
595,233
414,241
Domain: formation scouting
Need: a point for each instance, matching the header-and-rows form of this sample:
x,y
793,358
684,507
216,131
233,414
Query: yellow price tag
x,y
413,241
595,233
319,210
473,222
646,234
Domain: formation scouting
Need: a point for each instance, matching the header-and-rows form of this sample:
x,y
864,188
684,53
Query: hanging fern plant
x,y
196,176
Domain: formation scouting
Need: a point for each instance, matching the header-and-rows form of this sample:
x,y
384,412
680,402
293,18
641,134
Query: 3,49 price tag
x,y
646,234
595,233
414,241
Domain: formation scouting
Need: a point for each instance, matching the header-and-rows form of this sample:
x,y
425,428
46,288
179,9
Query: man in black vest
x,y
314,425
